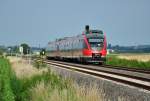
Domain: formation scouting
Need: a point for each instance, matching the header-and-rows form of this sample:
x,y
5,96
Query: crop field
x,y
129,60
139,57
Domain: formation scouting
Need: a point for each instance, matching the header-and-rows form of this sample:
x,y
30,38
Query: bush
x,y
1,53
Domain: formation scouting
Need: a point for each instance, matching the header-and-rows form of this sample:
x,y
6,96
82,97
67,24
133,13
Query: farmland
x,y
138,57
129,60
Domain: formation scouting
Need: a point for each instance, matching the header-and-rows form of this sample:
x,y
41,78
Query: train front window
x,y
95,40
96,43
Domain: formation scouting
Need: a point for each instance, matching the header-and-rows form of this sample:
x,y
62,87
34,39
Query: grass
x,y
71,92
25,82
18,89
39,64
115,61
23,86
21,81
140,57
23,69
6,76
40,85
50,87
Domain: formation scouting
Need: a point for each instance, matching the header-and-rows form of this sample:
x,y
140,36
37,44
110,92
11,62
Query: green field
x,y
115,61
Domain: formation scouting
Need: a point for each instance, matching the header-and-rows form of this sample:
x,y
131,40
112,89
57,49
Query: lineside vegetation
x,y
40,86
6,77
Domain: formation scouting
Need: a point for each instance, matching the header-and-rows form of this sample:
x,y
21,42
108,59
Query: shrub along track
x,y
133,77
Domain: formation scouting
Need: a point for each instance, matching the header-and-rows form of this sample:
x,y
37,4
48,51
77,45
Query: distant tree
x,y
26,48
109,46
42,52
1,52
16,49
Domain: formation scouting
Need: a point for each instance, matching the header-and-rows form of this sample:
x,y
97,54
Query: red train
x,y
90,46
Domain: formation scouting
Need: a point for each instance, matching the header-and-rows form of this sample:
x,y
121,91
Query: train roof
x,y
77,36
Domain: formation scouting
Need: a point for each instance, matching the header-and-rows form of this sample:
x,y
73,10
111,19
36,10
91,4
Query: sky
x,y
36,22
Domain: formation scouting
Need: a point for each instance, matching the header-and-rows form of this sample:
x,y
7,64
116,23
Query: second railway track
x,y
122,77
134,69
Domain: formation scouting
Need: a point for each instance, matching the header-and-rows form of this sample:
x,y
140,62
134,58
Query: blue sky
x,y
125,22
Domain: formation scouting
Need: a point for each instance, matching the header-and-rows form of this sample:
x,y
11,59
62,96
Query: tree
x,y
26,48
109,46
1,52
15,49
42,52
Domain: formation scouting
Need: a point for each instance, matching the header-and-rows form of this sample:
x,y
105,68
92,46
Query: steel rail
x,y
99,69
122,78
134,69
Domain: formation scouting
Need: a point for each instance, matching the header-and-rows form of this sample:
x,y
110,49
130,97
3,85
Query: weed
x,y
48,86
39,64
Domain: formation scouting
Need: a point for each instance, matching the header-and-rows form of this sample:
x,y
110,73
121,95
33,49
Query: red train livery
x,y
90,46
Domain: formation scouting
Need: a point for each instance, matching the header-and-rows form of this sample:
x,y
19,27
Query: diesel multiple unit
x,y
90,46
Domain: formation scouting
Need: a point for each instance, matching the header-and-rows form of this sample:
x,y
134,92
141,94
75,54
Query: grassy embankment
x,y
128,61
27,83
6,77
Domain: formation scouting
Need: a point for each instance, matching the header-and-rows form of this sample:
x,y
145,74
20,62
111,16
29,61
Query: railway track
x,y
132,77
134,69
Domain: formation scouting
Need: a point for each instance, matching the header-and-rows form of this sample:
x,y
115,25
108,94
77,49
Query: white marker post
x,y
21,50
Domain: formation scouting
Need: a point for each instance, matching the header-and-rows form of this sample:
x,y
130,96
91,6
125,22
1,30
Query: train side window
x,y
80,44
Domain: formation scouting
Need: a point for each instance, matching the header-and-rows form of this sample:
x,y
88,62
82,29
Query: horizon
x,y
112,45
